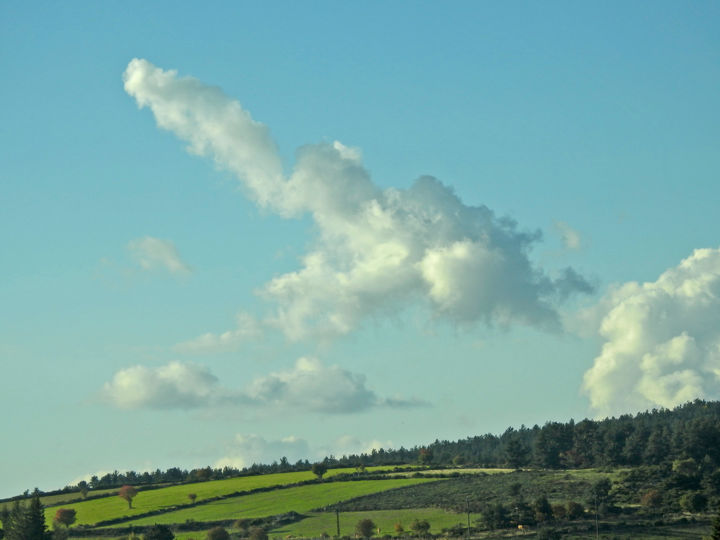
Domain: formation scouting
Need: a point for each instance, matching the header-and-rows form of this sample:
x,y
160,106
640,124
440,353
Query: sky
x,y
246,230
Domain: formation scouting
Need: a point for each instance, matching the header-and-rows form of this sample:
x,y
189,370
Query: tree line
x,y
657,437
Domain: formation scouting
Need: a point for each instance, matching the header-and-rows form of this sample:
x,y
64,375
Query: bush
x,y
543,510
242,524
575,510
257,533
495,516
559,511
218,533
159,532
420,526
365,528
693,502
651,499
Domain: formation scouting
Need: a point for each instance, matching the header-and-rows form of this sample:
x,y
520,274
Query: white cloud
x,y
248,449
88,477
252,448
247,328
662,339
153,253
309,387
350,444
315,387
377,250
570,237
173,386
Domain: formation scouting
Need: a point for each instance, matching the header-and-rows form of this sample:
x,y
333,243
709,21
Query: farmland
x,y
317,523
298,499
297,504
150,500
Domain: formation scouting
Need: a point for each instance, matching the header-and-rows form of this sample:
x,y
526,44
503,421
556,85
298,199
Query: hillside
x,y
659,476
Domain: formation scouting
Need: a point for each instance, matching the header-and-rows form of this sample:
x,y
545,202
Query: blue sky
x,y
290,287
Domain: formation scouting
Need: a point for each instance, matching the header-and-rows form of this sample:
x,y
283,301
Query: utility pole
x,y
467,508
597,531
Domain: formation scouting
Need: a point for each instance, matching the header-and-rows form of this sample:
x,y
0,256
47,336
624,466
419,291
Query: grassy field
x,y
92,511
299,499
54,500
468,470
317,523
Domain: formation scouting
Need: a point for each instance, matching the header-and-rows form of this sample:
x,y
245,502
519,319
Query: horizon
x,y
255,231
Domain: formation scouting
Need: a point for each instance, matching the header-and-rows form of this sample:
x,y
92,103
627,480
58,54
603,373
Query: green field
x,y
54,500
299,499
93,511
317,523
468,470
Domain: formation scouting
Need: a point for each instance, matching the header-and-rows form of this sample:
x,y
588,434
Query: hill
x,y
655,473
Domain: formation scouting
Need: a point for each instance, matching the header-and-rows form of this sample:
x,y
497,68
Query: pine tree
x,y
14,522
35,528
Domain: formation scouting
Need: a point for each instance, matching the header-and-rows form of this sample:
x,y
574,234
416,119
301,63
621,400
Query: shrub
x,y
693,502
218,533
575,510
365,528
159,532
420,526
399,528
257,533
242,524
494,516
652,498
543,510
559,511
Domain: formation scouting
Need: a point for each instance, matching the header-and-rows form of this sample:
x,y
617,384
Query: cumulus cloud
x,y
173,386
248,449
350,444
662,339
247,328
154,253
377,250
252,448
570,237
310,387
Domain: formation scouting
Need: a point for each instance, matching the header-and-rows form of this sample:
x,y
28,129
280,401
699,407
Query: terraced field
x,y
317,523
446,472
112,507
300,499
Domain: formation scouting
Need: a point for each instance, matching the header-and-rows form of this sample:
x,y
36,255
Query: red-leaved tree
x,y
65,516
127,493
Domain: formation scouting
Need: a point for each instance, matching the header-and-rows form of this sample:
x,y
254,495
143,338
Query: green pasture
x,y
468,470
300,499
317,523
54,500
92,511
